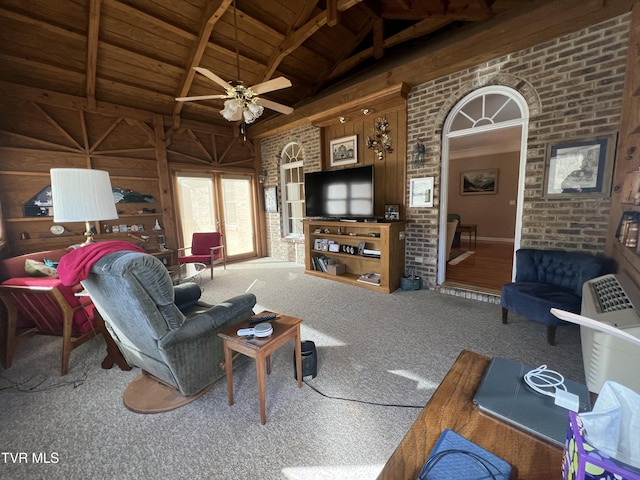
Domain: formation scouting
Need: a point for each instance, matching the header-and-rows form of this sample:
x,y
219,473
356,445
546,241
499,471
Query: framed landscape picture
x,y
581,167
479,182
344,151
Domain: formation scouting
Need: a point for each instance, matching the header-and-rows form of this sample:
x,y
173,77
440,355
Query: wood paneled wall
x,y
390,171
37,136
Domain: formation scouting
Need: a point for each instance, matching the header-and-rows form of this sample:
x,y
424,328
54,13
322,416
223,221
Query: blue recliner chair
x,y
546,279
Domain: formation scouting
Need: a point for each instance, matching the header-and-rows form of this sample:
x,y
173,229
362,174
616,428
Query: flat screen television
x,y
340,194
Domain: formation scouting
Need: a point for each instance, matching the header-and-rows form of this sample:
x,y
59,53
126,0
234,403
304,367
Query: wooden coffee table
x,y
285,328
451,406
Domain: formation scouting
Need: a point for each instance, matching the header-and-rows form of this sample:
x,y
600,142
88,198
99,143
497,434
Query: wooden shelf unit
x,y
627,161
390,242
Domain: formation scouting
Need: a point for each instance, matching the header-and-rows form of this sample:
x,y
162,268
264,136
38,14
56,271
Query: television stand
x,y
386,238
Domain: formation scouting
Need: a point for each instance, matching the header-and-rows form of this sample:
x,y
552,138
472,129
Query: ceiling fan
x,y
243,103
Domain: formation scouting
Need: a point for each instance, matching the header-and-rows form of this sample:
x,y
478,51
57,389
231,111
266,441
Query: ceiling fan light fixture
x,y
251,112
241,99
230,109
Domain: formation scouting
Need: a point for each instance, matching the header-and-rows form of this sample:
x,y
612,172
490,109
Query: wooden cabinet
x,y
386,238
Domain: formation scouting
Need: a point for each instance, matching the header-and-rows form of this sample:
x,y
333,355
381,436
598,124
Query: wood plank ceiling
x,y
140,53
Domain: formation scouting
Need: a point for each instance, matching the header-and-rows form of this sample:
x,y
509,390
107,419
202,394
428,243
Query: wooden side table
x,y
285,328
470,229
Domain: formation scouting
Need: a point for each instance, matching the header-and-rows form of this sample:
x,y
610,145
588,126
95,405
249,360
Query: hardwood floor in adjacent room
x,y
485,271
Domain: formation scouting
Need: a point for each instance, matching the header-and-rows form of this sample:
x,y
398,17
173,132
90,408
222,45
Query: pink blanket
x,y
75,265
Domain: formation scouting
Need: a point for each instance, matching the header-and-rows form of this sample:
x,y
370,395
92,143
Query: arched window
x,y
485,108
292,186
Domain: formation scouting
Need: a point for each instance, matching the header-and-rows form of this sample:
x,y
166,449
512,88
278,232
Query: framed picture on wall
x,y
271,199
421,192
581,167
344,151
479,182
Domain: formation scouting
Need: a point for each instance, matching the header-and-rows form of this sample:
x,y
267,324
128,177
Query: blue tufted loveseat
x,y
546,279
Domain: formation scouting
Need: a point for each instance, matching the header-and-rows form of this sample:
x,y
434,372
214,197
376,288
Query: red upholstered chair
x,y
207,248
52,308
30,305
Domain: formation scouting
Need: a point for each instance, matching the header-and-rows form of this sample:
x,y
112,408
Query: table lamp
x,y
82,195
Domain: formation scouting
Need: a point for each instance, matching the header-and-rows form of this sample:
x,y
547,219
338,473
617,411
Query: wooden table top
x,y
282,325
466,227
451,406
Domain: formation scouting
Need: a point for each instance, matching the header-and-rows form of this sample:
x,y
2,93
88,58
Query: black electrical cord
x,y
40,378
361,401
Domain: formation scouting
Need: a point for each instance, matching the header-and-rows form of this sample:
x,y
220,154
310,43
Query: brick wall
x,y
270,149
573,86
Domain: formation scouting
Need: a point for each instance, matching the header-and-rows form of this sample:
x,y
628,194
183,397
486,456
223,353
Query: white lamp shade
x,y
81,195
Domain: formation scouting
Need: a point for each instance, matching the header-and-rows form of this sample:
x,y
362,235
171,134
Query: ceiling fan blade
x,y
213,77
200,97
278,107
271,85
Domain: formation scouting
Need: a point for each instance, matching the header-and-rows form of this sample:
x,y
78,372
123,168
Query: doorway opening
x,y
482,187
218,203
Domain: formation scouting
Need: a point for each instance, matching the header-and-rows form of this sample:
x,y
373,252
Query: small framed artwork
x,y
392,212
479,182
581,167
271,199
344,151
421,192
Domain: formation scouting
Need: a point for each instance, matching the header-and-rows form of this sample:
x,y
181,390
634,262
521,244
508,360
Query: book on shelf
x,y
370,278
368,252
320,263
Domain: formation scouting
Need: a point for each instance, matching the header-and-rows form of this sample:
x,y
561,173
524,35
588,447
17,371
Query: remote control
x,y
262,318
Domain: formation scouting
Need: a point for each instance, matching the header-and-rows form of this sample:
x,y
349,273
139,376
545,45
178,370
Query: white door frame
x,y
523,122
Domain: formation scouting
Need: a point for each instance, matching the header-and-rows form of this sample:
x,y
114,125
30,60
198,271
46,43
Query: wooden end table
x,y
285,328
470,229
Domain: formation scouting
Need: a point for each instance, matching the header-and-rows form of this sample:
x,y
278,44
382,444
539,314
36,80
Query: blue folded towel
x,y
456,457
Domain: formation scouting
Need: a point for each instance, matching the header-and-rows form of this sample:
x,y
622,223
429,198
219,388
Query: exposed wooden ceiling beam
x,y
364,31
469,10
414,31
509,32
215,10
297,37
92,51
333,15
378,39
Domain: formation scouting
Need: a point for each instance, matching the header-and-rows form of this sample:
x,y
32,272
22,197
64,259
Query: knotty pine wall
x,y
138,151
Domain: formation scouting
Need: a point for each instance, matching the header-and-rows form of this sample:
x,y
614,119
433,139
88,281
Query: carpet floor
x,y
380,358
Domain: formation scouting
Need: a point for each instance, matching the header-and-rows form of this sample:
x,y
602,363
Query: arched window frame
x,y
292,188
478,126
